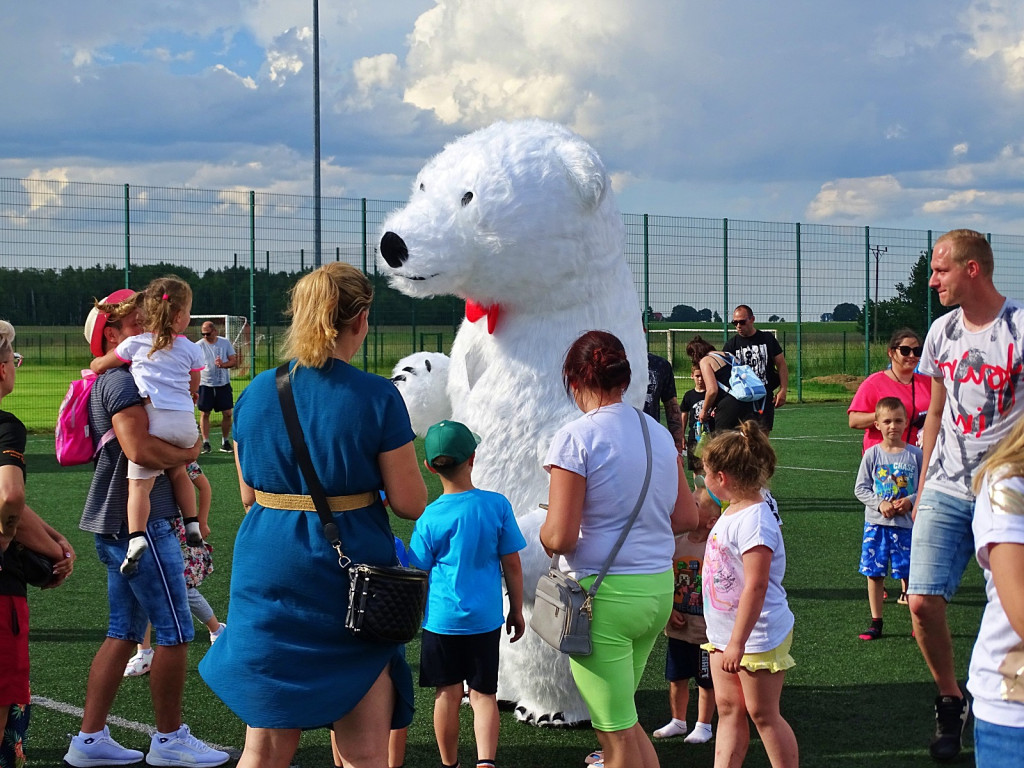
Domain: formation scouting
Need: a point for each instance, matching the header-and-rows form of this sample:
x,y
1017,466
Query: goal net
x,y
234,328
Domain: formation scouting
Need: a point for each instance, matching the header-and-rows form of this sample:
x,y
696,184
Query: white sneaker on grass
x,y
99,749
181,748
215,635
140,663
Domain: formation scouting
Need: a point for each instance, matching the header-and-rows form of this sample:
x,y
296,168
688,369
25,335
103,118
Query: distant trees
x,y
908,308
845,312
683,313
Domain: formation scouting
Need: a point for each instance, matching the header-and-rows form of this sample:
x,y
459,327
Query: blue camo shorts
x,y
885,546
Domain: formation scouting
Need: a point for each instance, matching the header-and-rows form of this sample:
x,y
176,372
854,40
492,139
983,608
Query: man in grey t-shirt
x,y
973,355
215,385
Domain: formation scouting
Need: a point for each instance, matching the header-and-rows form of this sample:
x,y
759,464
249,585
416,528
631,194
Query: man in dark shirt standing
x,y
761,351
661,388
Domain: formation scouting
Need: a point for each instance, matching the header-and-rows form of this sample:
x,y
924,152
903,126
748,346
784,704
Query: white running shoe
x,y
215,635
101,750
140,663
181,748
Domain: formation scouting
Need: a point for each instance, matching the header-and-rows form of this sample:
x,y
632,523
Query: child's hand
x,y
904,505
887,510
515,625
676,620
731,657
204,530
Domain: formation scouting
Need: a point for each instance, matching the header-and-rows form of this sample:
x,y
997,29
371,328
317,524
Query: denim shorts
x,y
942,544
156,593
997,744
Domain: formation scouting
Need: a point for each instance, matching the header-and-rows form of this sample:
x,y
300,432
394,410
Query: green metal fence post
x,y
725,280
647,288
867,300
127,240
799,326
375,329
252,283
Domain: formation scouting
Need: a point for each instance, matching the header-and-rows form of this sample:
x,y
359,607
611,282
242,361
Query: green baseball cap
x,y
450,438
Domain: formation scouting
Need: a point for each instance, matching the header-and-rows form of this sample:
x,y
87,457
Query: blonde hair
x,y
744,454
6,339
323,304
160,302
1005,459
967,245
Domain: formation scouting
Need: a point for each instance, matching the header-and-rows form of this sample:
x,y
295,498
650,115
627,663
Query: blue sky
x,y
889,114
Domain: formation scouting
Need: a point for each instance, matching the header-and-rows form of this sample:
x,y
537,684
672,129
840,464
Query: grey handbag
x,y
563,610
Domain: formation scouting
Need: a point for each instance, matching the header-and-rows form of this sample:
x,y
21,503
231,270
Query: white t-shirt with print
x,y
737,532
998,519
982,372
165,376
606,446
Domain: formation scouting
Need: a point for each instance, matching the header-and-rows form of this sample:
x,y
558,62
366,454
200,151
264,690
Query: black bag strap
x,y
301,451
632,517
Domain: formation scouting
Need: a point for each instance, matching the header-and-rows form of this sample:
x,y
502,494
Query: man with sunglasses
x,y
762,352
973,355
215,386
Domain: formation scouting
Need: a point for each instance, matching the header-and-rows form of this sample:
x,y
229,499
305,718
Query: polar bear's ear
x,y
585,169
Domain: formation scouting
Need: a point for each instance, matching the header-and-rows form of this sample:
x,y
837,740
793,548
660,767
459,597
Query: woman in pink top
x,y
898,380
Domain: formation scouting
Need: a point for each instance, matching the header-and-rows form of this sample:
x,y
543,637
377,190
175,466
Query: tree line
x,y
65,296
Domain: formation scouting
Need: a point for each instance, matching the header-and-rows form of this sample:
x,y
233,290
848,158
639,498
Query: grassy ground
x,y
852,704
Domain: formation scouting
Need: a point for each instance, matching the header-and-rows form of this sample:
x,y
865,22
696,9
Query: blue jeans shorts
x,y
156,593
942,544
885,546
997,745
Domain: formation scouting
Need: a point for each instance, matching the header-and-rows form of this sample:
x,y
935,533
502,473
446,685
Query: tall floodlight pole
x,y
317,230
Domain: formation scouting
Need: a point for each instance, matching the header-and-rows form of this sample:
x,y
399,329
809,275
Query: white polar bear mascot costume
x,y
520,220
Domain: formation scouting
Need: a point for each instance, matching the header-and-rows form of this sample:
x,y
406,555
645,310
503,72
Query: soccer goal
x,y
236,329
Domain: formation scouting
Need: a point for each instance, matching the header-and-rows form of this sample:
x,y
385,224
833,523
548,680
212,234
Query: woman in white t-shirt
x,y
597,465
995,680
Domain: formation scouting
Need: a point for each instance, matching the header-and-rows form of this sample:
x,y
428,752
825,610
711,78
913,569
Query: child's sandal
x,y
595,757
903,600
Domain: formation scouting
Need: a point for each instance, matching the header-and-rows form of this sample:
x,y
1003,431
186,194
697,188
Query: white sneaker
x,y
140,663
86,751
215,635
181,748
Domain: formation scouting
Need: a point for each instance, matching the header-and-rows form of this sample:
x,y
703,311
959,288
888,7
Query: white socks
x,y
137,545
700,734
673,728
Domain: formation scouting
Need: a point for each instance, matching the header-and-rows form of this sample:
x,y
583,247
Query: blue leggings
x,y
630,611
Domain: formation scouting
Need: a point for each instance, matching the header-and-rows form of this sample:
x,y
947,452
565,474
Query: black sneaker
x,y
225,447
206,447
950,719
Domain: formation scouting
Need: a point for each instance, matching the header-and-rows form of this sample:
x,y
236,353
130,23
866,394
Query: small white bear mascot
x,y
520,220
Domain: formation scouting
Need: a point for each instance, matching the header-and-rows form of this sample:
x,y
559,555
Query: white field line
x,y
120,722
815,469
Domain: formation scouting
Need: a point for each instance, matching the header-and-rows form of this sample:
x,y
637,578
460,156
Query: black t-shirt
x,y
12,454
661,386
759,352
692,403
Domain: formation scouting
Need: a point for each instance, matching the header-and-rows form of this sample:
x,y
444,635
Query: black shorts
x,y
450,659
767,416
215,398
684,661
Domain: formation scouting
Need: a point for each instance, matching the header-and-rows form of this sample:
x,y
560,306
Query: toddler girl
x,y
165,366
749,624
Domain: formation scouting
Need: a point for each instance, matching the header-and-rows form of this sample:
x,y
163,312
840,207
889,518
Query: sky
x,y
904,114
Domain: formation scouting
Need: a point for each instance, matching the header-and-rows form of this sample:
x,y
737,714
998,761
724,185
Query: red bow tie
x,y
475,311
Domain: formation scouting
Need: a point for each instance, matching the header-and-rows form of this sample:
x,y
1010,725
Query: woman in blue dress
x,y
286,662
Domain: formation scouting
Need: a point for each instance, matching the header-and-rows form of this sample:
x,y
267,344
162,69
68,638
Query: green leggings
x,y
630,611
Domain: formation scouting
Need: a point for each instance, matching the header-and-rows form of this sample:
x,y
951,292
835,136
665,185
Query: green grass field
x,y
852,704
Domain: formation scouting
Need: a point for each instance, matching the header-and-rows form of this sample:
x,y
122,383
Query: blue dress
x,y
286,659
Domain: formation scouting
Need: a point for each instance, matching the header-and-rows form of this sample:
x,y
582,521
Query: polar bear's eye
x,y
422,188
466,198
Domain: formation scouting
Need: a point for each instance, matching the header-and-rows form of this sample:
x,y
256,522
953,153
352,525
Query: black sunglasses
x,y
908,351
744,321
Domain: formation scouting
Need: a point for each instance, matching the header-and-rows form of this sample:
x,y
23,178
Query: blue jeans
x,y
997,746
156,593
942,544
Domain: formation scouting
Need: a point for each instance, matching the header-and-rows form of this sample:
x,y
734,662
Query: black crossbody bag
x,y
385,603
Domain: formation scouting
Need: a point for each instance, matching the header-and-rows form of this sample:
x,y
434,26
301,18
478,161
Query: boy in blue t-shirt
x,y
467,539
887,483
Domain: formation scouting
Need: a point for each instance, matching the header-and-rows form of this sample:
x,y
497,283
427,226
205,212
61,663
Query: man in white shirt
x,y
215,386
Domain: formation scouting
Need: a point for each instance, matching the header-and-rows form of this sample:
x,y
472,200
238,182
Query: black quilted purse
x,y
385,603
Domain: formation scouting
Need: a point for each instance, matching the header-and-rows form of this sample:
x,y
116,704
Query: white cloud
x,y
858,199
960,149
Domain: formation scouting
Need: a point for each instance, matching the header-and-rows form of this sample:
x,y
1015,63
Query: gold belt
x,y
305,503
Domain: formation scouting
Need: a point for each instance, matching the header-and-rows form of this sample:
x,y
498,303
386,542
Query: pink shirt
x,y
915,398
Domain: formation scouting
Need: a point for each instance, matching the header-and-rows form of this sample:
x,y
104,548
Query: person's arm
x,y
12,500
131,427
1006,561
674,420
403,483
512,569
930,433
864,489
106,362
780,364
231,362
244,489
756,564
205,499
561,528
707,369
684,514
193,385
861,419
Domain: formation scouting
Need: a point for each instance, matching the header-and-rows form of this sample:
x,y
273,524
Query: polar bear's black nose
x,y
392,248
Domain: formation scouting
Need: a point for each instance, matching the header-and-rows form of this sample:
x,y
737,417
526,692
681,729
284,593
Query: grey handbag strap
x,y
632,517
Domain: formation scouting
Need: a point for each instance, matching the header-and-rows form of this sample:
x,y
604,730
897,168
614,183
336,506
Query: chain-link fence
x,y
64,243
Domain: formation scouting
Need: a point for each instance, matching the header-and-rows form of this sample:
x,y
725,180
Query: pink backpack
x,y
73,438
